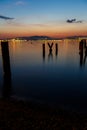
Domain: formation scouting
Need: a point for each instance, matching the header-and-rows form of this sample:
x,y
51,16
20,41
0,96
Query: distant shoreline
x,y
43,38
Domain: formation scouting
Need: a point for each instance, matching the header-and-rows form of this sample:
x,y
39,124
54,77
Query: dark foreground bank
x,y
23,115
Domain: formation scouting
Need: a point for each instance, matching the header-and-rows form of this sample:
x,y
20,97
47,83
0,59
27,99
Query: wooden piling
x,y
43,48
56,49
6,69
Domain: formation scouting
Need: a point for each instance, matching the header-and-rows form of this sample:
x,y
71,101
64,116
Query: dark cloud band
x,y
73,21
5,18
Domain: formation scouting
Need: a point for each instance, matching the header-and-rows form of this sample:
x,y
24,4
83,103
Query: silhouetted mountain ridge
x,y
44,38
36,38
48,38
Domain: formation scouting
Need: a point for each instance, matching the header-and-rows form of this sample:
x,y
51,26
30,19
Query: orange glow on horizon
x,y
50,34
58,31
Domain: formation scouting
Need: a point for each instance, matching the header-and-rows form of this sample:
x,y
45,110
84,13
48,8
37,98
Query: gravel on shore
x,y
22,115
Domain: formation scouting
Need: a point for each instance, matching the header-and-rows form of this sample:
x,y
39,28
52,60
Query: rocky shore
x,y
23,115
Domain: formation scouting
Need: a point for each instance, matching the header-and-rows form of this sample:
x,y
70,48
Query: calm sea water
x,y
57,76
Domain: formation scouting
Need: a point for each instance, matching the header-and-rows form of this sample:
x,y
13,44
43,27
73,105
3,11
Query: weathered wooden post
x,y
85,55
43,47
84,42
56,49
6,69
5,57
50,46
81,52
50,55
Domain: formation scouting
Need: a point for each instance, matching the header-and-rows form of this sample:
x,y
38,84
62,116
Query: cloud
x,y
39,25
20,3
5,18
80,21
73,21
15,23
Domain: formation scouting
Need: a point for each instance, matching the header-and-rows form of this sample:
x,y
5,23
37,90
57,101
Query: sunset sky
x,y
55,18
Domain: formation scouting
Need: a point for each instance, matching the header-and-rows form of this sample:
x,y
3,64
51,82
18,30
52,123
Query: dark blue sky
x,y
45,16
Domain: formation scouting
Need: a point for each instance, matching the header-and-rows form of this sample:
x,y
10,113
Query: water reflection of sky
x,y
52,78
